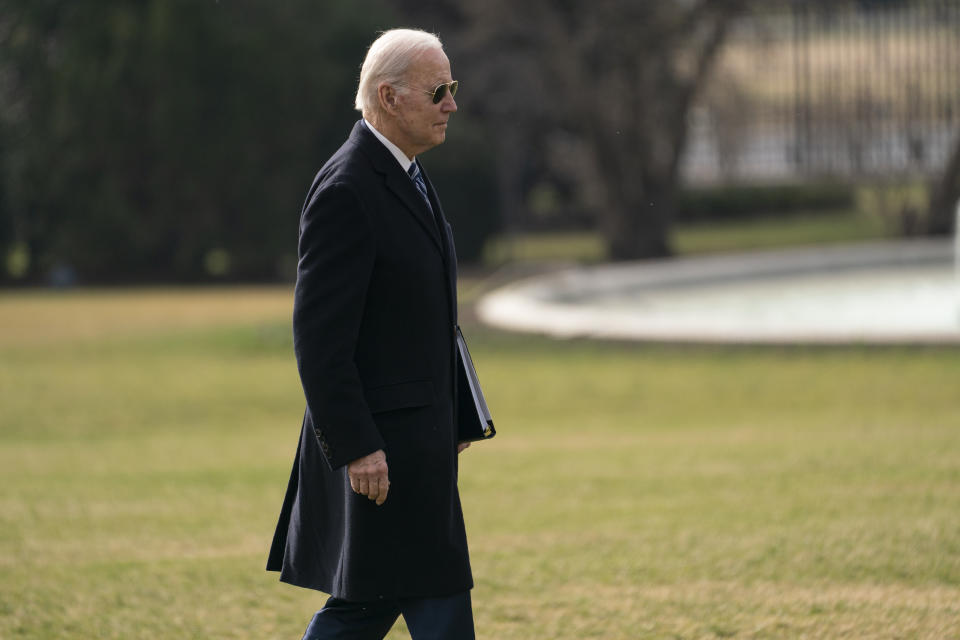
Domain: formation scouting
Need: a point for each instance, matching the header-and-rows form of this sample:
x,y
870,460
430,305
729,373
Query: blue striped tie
x,y
414,172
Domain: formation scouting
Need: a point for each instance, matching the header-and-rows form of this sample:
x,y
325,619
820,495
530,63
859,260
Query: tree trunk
x,y
638,209
637,220
630,236
945,197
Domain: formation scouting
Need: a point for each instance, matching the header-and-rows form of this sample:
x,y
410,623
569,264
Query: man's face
x,y
421,124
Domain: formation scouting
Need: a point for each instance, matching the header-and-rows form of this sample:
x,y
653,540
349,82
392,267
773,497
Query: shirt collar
x,y
401,157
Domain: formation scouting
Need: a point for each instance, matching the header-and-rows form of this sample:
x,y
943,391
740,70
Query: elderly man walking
x,y
372,514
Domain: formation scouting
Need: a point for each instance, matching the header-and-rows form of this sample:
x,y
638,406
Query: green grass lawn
x,y
633,491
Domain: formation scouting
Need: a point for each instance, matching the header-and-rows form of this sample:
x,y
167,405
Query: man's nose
x,y
449,105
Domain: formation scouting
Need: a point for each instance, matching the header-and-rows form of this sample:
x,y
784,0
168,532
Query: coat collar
x,y
399,182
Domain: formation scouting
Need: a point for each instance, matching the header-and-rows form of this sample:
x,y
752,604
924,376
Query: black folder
x,y
473,416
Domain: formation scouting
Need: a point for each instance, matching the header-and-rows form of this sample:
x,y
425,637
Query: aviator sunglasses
x,y
439,93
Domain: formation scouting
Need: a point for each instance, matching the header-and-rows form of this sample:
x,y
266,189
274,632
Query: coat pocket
x,y
401,395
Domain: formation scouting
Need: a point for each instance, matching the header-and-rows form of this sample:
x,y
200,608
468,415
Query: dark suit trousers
x,y
447,618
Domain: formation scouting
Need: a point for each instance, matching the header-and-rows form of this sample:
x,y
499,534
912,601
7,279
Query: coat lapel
x,y
400,184
449,252
396,180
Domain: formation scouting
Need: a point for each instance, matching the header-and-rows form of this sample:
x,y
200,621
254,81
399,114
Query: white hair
x,y
388,60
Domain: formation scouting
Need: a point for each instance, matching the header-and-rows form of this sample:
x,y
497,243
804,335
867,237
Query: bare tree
x,y
615,78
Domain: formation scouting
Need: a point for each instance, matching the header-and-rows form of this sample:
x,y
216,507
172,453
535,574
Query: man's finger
x,y
373,488
362,486
381,496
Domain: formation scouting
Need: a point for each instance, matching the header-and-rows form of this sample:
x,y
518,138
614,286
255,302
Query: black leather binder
x,y
473,416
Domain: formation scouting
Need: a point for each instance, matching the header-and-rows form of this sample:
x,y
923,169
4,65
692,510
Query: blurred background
x,y
173,141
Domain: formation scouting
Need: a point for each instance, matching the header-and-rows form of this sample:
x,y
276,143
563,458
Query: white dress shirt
x,y
401,157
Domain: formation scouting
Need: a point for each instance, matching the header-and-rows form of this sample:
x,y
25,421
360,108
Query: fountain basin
x,y
888,292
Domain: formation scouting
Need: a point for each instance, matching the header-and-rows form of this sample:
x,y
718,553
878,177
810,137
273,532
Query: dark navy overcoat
x,y
373,323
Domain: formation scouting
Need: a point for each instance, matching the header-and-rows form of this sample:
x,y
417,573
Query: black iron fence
x,y
806,89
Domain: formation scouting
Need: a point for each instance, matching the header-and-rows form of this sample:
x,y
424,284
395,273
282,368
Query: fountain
x,y
886,292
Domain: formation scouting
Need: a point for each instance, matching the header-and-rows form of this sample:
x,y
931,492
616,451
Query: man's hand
x,y
462,446
368,476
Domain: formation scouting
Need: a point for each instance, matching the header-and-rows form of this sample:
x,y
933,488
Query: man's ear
x,y
387,96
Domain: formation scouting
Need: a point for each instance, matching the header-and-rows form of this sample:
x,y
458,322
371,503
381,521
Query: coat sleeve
x,y
337,250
